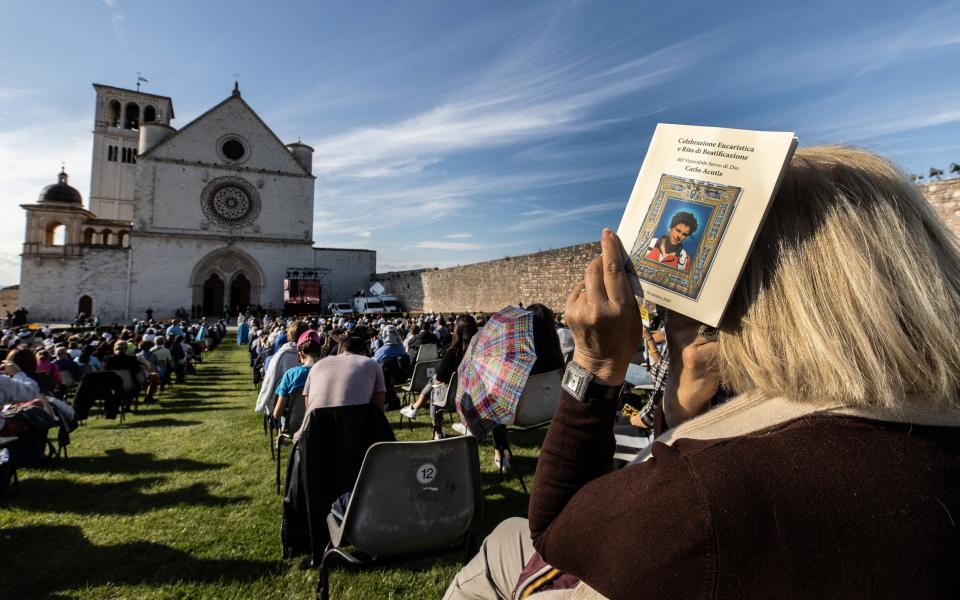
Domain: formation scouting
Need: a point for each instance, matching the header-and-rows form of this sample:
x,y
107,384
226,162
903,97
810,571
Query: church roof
x,y
61,192
235,95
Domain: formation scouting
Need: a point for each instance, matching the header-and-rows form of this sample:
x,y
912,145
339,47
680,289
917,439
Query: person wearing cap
x,y
309,346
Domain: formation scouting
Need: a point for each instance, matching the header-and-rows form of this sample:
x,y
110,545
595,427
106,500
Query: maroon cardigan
x,y
818,507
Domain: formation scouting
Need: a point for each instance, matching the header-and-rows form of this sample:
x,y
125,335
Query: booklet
x,y
694,213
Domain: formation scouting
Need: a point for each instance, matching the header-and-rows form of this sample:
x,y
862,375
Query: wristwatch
x,y
578,382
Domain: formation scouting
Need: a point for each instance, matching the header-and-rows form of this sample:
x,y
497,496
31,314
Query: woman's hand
x,y
603,316
694,378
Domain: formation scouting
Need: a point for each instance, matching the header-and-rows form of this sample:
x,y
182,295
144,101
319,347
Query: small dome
x,y
60,192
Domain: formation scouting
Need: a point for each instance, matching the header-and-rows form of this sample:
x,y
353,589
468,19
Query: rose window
x,y
230,202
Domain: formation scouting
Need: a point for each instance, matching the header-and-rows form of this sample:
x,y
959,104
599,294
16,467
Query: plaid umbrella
x,y
495,369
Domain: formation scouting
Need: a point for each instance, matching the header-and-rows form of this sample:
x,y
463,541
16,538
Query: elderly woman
x,y
835,471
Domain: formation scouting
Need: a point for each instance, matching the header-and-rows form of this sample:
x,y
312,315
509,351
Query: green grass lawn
x,y
179,502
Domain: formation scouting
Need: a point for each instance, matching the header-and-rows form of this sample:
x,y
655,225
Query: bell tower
x,y
119,115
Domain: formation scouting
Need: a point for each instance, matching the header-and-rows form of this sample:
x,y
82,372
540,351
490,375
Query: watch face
x,y
575,380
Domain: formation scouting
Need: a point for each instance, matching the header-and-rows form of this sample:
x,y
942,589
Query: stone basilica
x,y
219,212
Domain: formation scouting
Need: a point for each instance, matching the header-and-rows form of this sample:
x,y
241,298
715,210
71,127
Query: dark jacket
x,y
324,464
106,386
816,507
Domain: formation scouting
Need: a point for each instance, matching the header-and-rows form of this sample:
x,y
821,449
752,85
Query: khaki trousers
x,y
494,571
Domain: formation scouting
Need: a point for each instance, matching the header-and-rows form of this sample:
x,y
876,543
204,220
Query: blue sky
x,y
452,132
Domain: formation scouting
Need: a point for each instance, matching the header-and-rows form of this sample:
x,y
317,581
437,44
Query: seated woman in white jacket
x,y
284,359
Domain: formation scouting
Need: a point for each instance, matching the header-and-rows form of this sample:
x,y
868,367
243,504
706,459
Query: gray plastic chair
x,y
411,499
445,398
539,401
422,373
535,409
427,352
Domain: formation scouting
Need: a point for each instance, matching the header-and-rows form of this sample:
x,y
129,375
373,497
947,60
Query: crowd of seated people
x,y
51,378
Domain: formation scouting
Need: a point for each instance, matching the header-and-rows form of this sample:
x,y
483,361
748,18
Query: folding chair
x,y
535,409
410,500
422,373
131,391
444,399
538,402
67,384
427,352
295,410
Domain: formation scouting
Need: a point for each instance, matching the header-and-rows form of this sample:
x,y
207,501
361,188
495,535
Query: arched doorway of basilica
x,y
227,276
213,295
239,291
85,305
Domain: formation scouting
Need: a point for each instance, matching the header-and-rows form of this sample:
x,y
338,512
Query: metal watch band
x,y
579,383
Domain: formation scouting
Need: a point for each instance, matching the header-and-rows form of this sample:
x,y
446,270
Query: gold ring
x,y
582,290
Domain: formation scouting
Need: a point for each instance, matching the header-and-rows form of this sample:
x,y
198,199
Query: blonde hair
x,y
851,293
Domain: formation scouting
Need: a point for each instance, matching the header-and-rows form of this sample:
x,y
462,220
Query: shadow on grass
x,y
71,562
114,498
118,460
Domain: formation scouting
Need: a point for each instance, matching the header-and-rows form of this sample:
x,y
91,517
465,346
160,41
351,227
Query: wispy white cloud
x,y
457,236
117,22
448,245
110,3
537,97
346,207
540,219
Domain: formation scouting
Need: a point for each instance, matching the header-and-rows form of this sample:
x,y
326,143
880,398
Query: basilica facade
x,y
218,213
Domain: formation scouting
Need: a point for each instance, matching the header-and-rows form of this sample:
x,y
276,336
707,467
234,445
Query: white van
x,y
339,308
368,305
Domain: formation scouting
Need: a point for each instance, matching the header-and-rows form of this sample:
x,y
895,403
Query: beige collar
x,y
751,412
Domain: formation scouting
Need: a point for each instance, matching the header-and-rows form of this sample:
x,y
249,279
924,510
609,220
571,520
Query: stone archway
x,y
85,305
212,295
241,279
239,292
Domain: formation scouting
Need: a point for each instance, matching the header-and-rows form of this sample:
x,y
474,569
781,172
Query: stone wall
x,y
52,286
545,277
9,299
945,198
